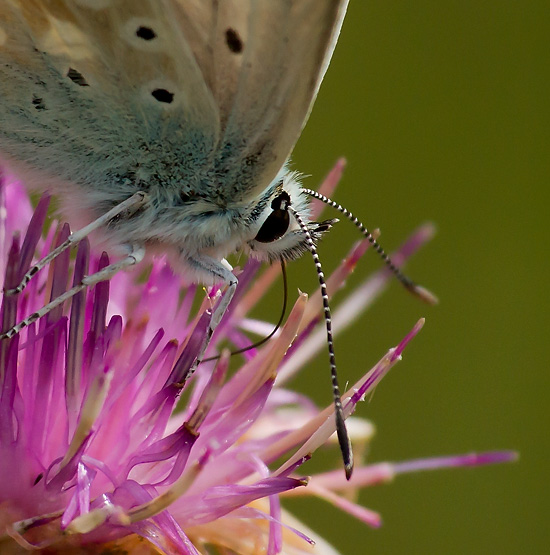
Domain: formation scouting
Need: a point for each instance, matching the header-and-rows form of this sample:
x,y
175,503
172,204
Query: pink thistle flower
x,y
98,451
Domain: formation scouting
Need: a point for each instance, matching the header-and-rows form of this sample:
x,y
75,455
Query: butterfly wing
x,y
263,61
209,95
96,91
282,73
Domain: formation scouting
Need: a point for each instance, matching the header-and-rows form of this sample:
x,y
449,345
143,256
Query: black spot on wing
x,y
233,41
38,102
146,33
162,95
77,77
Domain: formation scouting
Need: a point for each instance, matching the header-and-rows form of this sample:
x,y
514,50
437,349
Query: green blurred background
x,y
442,110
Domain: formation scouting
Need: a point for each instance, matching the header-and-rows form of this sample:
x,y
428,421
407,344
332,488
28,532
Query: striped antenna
x,y
341,430
415,289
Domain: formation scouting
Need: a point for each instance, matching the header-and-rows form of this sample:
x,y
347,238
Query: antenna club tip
x,y
349,470
424,294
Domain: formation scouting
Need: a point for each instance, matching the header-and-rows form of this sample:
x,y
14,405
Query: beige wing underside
x,y
244,73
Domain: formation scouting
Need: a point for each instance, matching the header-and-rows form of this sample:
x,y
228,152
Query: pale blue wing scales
x,y
77,84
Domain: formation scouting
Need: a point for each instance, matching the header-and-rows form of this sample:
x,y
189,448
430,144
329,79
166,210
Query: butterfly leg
x,y
220,272
136,254
131,204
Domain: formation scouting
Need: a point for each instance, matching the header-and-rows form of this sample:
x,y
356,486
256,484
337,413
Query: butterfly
x,y
166,125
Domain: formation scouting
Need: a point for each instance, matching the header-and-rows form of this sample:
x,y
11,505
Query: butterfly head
x,y
278,233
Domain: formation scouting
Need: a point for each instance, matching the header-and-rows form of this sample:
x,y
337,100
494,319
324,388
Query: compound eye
x,y
274,227
276,224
